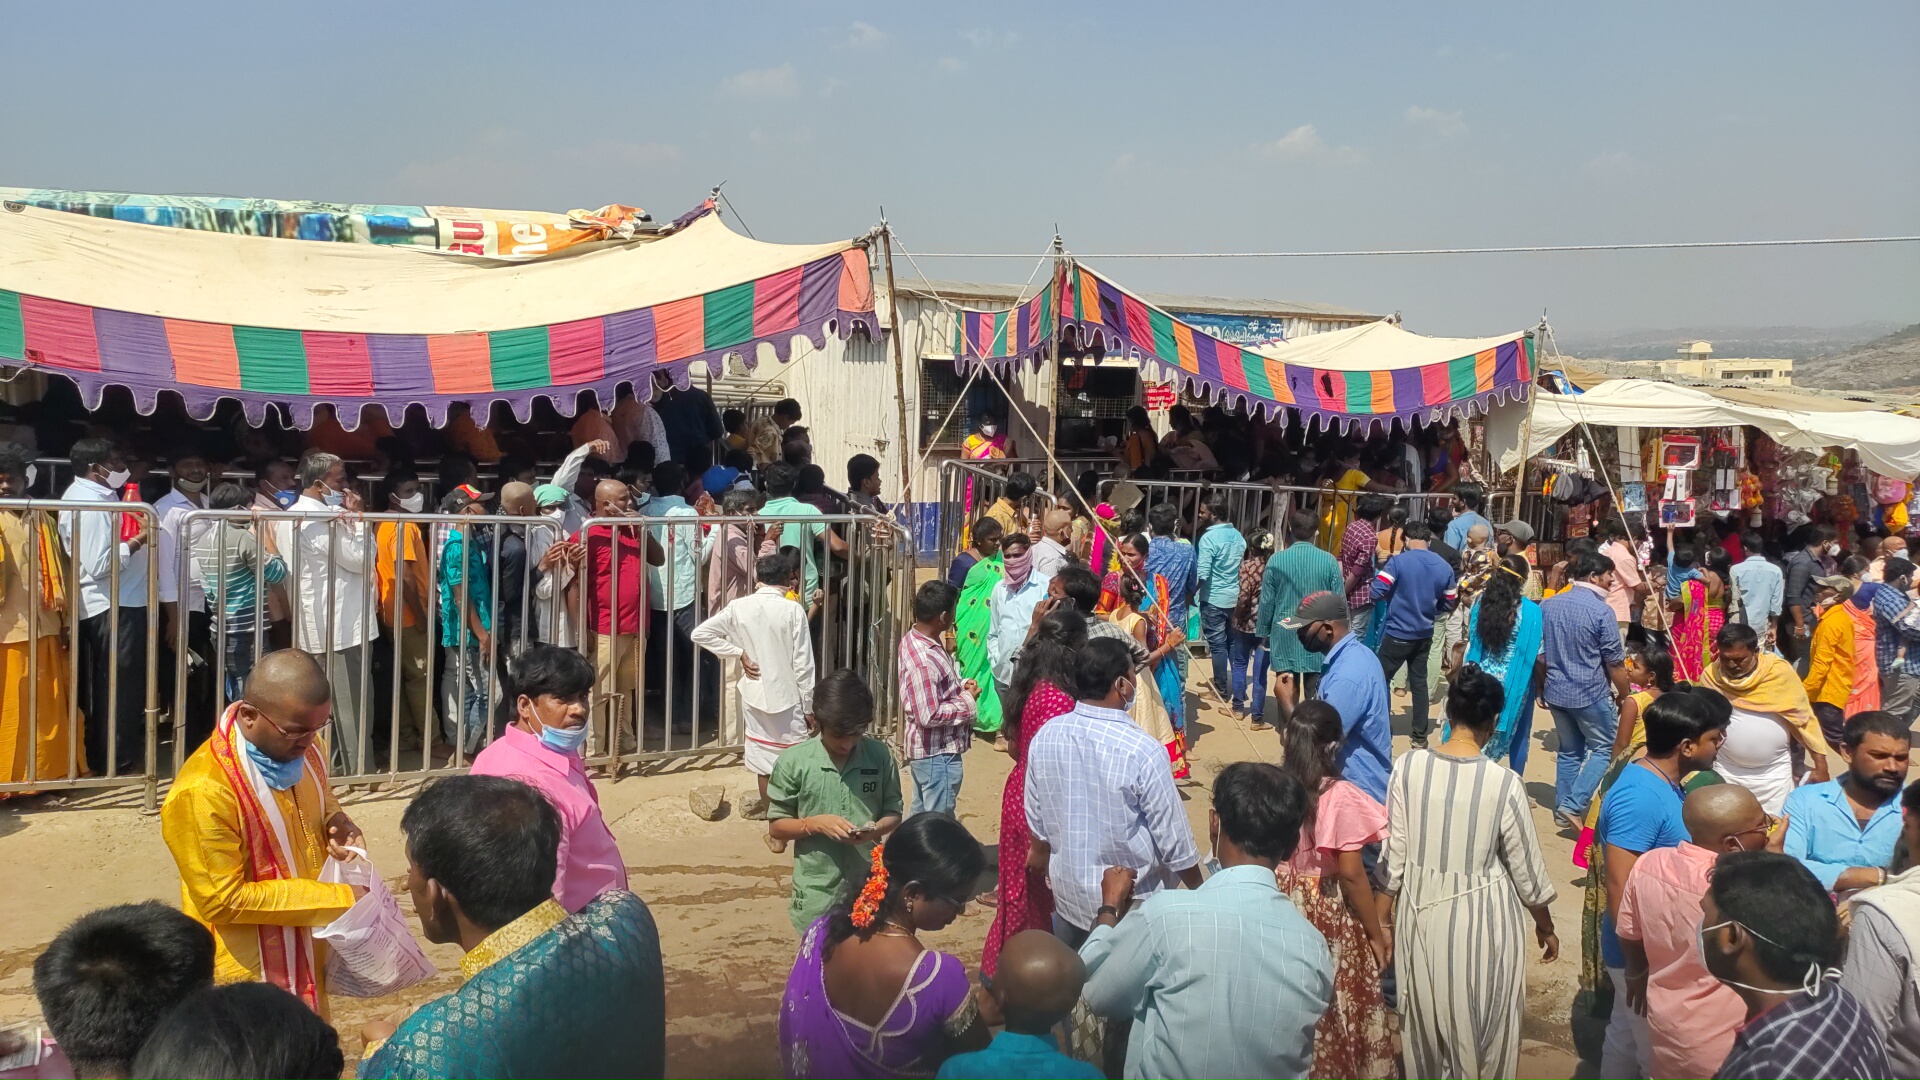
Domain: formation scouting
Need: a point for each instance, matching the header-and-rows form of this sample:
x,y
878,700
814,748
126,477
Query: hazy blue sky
x,y
1132,126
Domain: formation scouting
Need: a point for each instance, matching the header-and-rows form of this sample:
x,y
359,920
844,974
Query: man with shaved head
x,y
250,819
516,500
1050,552
1036,986
1691,1016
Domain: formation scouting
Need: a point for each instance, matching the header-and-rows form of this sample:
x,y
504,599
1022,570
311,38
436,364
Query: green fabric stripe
x,y
13,330
729,316
1256,372
271,361
520,358
1359,392
1163,344
1046,313
1463,377
1001,324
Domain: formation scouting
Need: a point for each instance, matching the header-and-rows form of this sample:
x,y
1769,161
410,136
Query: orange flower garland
x,y
872,893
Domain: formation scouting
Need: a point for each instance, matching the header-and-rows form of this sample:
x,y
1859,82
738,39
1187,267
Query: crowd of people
x,y
1354,912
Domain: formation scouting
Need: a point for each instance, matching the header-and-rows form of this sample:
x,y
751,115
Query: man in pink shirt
x,y
1691,1016
1629,584
547,697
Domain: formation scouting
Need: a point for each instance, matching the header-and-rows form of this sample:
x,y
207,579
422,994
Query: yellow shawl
x,y
1772,687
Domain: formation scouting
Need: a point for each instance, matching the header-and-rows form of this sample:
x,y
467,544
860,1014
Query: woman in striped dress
x,y
1464,868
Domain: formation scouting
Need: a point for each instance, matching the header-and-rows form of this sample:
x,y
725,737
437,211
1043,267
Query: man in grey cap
x,y
1352,681
1512,538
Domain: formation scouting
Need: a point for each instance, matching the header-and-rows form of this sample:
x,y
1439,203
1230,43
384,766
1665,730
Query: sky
x,y
1126,126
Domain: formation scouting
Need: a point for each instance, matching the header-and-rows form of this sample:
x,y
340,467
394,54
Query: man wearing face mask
x,y
250,819
111,638
331,620
1802,566
190,479
1690,1017
1354,684
545,713
1769,932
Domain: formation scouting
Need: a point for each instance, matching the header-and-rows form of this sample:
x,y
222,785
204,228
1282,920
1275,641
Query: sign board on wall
x,y
1160,397
1245,331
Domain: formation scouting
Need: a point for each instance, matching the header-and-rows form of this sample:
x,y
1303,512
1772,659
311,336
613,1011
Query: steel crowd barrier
x,y
82,590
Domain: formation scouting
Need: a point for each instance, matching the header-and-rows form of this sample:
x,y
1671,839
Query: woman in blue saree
x,y
1504,640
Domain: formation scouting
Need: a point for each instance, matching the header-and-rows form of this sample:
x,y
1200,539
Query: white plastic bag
x,y
371,951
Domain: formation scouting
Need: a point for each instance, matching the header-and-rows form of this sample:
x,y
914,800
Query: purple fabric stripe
x,y
1113,313
820,293
400,366
1019,337
133,344
1506,364
632,347
969,332
1209,359
1409,389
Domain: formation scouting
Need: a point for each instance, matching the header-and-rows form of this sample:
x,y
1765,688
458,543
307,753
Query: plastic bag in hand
x,y
371,950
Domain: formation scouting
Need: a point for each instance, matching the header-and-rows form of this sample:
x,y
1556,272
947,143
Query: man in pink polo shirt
x,y
546,694
1691,1016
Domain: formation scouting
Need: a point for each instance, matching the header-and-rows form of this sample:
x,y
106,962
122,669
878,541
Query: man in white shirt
x,y
768,633
112,637
1050,553
187,598
330,557
1099,793
1010,607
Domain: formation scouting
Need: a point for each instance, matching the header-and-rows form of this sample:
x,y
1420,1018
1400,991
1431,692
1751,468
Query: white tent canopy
x,y
1888,443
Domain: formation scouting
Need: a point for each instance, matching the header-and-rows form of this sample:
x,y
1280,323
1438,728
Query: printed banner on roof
x,y
1005,337
212,315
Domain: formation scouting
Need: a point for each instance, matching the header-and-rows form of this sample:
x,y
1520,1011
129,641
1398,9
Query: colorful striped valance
x,y
1372,374
1000,337
147,351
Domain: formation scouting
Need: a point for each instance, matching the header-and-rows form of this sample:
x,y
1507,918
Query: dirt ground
x,y
718,894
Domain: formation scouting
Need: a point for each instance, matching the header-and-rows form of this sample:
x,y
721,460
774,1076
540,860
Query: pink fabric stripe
x,y
576,351
776,302
338,363
59,333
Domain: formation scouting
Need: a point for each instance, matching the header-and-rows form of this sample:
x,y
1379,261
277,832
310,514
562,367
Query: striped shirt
x,y
1811,1037
939,712
242,553
1356,562
1099,793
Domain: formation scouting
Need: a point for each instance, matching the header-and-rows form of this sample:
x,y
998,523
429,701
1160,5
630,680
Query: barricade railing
x,y
70,588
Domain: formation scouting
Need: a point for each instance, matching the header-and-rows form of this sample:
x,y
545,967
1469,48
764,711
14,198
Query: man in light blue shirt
x,y
1217,566
1473,499
1228,979
1762,588
671,589
1824,827
803,535
1172,557
1010,607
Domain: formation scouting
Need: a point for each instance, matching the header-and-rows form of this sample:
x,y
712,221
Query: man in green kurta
x,y
1292,574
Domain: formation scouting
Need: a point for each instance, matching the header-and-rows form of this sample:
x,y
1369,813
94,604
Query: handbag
x,y
371,952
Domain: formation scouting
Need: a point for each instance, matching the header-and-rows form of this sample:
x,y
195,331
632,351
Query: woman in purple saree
x,y
866,999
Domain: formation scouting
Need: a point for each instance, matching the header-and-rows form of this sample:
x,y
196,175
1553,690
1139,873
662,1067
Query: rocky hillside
x,y
1885,363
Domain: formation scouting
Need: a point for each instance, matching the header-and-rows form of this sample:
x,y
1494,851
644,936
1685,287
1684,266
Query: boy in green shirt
x,y
834,796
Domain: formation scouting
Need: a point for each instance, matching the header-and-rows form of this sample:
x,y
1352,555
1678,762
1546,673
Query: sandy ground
x,y
718,894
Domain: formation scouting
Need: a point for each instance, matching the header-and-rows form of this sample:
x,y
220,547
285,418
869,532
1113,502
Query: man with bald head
x,y
250,820
516,500
1051,553
1035,987
615,577
1691,1017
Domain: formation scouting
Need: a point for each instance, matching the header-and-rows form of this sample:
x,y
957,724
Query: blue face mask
x,y
564,740
286,498
279,775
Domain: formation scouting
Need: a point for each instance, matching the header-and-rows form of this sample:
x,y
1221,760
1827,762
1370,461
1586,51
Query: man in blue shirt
x,y
1173,558
1586,679
1414,588
1761,585
1844,830
1353,684
1218,571
1641,813
1473,499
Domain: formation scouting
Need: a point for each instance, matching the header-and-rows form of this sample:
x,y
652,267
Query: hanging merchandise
x,y
1677,513
1633,497
1753,499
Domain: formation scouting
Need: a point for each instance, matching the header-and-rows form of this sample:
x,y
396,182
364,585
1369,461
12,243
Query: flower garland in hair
x,y
872,893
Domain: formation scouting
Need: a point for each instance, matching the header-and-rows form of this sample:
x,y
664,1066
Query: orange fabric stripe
x,y
680,328
1183,344
1483,370
203,353
462,363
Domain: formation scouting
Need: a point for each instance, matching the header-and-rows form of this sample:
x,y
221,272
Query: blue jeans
x,y
1213,624
936,783
1586,746
1249,658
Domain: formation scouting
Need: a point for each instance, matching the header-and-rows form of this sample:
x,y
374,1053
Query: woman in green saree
x,y
970,631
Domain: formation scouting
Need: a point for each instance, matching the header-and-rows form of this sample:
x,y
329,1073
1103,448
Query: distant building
x,y
1696,360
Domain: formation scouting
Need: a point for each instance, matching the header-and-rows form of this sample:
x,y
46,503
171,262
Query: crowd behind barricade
x,y
415,584
1750,910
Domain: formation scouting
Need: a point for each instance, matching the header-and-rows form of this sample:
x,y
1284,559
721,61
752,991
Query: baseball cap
x,y
550,495
462,497
1518,529
1322,606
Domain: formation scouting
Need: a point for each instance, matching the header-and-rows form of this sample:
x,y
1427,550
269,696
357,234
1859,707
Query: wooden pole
x,y
1526,424
1053,362
899,374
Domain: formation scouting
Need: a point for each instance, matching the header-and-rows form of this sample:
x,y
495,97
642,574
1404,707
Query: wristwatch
x,y
1106,909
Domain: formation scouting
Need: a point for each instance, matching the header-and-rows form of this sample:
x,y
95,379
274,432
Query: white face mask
x,y
118,478
989,430
1833,551
414,503
332,497
1810,984
191,487
556,513
32,473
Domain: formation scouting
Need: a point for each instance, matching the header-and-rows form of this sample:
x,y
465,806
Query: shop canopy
x,y
1888,443
1357,378
209,311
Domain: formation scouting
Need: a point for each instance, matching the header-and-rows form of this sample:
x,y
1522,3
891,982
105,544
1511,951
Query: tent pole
x,y
899,372
1053,361
1526,424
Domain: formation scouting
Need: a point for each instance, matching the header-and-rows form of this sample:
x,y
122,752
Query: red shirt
x,y
633,577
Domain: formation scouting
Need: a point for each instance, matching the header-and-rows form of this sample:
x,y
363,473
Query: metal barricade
x,y
967,488
86,602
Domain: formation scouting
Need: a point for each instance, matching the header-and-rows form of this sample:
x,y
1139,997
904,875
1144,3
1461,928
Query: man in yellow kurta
x,y
251,819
